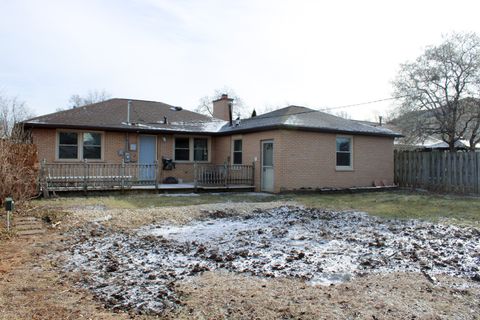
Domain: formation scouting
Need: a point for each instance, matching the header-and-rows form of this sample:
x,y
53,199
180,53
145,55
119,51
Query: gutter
x,y
218,133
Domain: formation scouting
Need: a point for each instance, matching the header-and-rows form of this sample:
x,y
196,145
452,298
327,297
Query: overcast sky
x,y
272,53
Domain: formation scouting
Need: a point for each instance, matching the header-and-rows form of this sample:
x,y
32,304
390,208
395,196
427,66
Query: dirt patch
x,y
32,288
136,270
225,295
134,218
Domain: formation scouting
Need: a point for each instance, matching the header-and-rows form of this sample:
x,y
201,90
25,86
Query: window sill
x,y
344,169
189,162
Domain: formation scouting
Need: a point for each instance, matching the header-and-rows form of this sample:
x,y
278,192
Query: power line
x,y
363,103
327,109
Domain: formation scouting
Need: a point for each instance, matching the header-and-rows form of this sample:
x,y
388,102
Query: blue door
x,y
147,156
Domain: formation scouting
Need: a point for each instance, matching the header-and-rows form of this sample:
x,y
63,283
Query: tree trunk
x,y
451,145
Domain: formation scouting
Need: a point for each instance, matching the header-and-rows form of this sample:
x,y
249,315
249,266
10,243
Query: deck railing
x,y
96,176
102,176
223,175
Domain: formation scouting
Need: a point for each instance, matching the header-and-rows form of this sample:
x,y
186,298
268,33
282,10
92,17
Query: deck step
x,y
31,226
23,222
24,219
24,233
28,226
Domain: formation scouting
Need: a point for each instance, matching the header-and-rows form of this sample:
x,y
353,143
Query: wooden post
x,y
195,176
85,176
425,169
477,172
156,175
122,175
253,173
395,167
225,182
43,178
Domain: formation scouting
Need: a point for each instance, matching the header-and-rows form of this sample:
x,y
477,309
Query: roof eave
x,y
112,128
309,129
213,133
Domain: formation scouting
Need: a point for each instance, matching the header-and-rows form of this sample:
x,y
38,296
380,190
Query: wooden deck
x,y
57,177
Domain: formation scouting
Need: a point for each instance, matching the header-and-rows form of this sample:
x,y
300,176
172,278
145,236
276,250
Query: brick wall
x,y
307,159
301,159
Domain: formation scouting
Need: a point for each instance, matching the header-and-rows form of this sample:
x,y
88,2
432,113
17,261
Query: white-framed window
x,y
68,145
344,153
182,149
187,149
237,151
79,145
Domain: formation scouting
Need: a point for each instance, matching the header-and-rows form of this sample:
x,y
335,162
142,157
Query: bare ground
x,y
221,295
33,286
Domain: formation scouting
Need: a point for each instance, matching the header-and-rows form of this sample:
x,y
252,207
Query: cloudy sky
x,y
271,52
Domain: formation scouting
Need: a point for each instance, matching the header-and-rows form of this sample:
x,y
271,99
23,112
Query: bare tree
x,y
343,114
436,82
12,112
205,105
471,121
93,96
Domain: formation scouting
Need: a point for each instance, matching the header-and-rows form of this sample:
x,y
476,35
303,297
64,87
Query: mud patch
x,y
137,270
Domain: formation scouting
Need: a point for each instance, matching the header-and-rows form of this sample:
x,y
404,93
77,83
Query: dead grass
x,y
134,218
402,205
138,201
222,295
31,288
395,204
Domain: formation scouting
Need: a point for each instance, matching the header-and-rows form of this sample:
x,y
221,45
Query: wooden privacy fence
x,y
438,170
223,175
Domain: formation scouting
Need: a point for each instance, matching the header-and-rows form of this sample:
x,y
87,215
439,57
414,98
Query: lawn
x,y
393,204
402,205
114,238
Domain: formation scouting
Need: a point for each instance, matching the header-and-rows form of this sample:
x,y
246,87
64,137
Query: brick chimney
x,y
221,108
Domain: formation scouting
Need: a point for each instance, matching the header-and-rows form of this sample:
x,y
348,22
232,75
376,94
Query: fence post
x,y
43,178
122,175
477,171
225,166
253,174
156,174
195,176
85,176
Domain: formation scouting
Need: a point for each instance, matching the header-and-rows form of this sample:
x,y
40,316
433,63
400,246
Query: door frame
x,y
139,147
262,142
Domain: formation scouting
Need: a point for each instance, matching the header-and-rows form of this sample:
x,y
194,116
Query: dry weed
x,y
223,295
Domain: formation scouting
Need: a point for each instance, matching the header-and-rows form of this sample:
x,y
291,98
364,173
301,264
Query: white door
x,y
267,166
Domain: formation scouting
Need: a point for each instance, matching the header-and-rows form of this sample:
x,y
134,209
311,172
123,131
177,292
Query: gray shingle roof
x,y
148,116
112,114
295,117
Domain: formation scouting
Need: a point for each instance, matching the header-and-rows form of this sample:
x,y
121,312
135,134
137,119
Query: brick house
x,y
289,149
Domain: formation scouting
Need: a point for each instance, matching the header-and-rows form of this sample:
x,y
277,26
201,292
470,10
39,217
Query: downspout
x,y
127,142
128,111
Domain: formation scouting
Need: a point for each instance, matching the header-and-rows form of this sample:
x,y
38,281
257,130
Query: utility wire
x,y
327,109
364,103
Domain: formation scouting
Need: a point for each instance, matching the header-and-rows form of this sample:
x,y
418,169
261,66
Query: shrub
x,y
18,170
